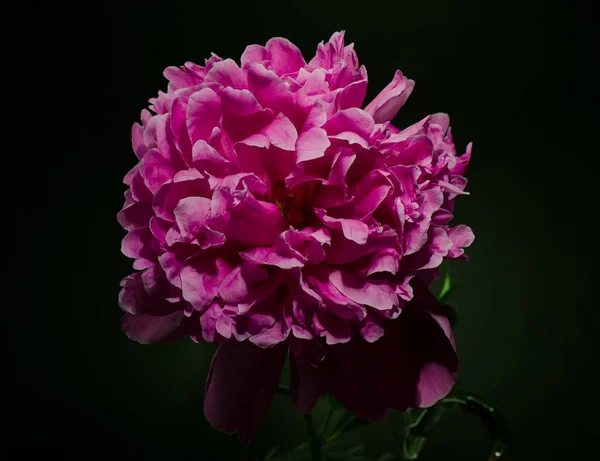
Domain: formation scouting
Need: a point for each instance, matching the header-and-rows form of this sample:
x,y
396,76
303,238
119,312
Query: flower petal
x,y
386,104
147,329
311,144
240,386
203,114
227,73
284,55
352,229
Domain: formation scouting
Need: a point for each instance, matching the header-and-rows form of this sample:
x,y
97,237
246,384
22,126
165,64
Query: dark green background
x,y
516,79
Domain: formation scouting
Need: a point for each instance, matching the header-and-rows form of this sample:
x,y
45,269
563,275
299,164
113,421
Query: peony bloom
x,y
269,213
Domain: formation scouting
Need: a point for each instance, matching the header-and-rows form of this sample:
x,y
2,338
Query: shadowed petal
x,y
146,329
240,386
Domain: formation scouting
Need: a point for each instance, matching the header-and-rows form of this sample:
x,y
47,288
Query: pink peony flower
x,y
268,212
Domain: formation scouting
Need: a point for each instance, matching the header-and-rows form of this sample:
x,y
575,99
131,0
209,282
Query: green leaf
x,y
344,420
333,403
270,456
387,457
452,314
447,289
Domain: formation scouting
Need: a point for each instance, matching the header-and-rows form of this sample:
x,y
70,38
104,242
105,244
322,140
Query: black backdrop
x,y
516,79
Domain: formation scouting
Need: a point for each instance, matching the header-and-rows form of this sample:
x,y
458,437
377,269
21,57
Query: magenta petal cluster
x,y
270,213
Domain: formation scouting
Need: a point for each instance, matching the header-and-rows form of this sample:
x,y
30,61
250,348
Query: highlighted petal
x,y
386,104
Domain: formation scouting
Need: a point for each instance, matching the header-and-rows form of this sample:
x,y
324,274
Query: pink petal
x,y
191,214
334,329
354,119
242,114
143,294
183,185
135,216
281,133
208,321
240,386
236,285
146,329
136,244
285,56
179,126
180,77
307,383
156,170
227,73
249,154
201,277
270,257
386,104
432,254
463,161
352,229
353,95
203,114
171,263
369,193
137,140
385,260
205,158
371,330
254,53
138,189
279,330
239,102
462,237
250,221
272,93
344,250
376,293
159,228
165,142
435,382
312,144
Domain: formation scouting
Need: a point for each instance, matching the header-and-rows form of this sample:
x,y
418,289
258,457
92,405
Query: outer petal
x,y
227,73
285,56
170,194
203,114
156,170
386,104
146,329
307,381
271,92
462,237
134,216
201,276
135,298
412,365
240,386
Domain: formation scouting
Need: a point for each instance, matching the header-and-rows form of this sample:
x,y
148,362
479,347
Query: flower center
x,y
293,205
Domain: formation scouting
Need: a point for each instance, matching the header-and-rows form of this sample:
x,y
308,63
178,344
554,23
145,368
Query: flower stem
x,y
314,440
